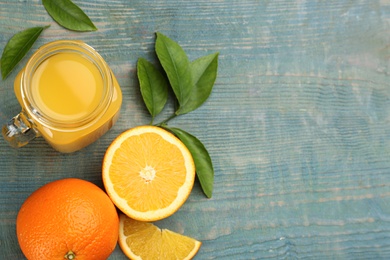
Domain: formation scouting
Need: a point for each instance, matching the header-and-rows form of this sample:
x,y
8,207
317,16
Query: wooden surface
x,y
298,124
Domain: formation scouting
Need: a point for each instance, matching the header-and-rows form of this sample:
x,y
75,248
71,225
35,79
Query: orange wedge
x,y
148,173
142,240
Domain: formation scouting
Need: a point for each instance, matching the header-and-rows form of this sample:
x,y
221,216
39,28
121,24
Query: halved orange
x,y
143,240
148,173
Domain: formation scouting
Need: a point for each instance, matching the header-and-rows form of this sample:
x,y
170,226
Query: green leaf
x,y
202,160
204,74
153,85
176,65
17,47
69,15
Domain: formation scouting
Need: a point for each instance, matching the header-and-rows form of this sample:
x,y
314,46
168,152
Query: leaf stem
x,y
166,120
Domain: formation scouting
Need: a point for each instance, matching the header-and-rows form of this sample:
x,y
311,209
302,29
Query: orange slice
x,y
148,173
142,240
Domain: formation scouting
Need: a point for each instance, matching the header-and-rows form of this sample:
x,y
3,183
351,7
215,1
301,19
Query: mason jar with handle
x,y
69,96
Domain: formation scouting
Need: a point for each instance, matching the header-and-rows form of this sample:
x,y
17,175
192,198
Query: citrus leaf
x,y
202,160
153,85
69,15
204,74
176,65
17,47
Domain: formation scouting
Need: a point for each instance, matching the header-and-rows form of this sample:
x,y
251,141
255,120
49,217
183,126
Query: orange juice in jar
x,y
69,96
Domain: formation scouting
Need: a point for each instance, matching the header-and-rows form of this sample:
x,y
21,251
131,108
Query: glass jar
x,y
69,96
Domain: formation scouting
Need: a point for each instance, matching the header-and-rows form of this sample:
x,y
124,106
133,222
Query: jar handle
x,y
19,131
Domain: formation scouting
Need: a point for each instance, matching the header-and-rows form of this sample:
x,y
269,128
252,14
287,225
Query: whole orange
x,y
67,219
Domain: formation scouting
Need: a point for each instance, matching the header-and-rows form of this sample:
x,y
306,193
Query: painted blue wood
x,y
297,124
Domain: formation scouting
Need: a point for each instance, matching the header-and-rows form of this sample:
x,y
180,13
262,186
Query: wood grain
x,y
297,125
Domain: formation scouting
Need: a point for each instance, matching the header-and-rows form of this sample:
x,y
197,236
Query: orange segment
x,y
142,240
148,173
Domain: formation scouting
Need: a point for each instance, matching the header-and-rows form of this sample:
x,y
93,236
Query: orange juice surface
x,y
67,87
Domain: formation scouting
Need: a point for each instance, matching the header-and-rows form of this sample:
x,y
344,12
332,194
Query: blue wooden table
x,y
297,125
